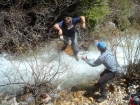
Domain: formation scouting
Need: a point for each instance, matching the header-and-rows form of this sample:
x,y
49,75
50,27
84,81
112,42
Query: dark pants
x,y
104,77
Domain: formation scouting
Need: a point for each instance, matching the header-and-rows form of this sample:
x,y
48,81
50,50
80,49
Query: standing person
x,y
108,60
66,28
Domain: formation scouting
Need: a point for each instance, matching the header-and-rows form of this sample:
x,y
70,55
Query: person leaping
x,y
66,28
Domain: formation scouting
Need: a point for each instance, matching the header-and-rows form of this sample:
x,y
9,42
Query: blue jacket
x,y
66,31
107,59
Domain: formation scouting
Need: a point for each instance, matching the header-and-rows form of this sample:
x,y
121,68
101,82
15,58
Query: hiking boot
x,y
76,57
101,99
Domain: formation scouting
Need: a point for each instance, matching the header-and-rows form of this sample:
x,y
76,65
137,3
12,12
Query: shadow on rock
x,y
90,90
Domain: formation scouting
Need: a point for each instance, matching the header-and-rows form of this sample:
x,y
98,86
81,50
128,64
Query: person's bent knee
x,y
101,82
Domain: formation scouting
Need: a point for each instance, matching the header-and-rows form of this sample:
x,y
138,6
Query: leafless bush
x,y
24,28
35,72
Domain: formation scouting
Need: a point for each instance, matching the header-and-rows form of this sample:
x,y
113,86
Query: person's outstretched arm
x,y
56,26
83,21
93,64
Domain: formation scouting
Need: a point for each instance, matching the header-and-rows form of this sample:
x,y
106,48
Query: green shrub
x,y
122,10
95,10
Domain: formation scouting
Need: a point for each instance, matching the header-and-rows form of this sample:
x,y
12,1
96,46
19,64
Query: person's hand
x,y
84,58
60,32
95,41
83,25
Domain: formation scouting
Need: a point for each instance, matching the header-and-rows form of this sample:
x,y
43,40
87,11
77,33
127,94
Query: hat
x,y
101,45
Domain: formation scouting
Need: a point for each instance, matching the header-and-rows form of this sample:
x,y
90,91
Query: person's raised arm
x,y
56,26
83,21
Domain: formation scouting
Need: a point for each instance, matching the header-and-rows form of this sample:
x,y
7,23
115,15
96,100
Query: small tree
x,y
95,11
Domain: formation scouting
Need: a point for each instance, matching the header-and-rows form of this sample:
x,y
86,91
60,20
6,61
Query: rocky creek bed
x,y
118,93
